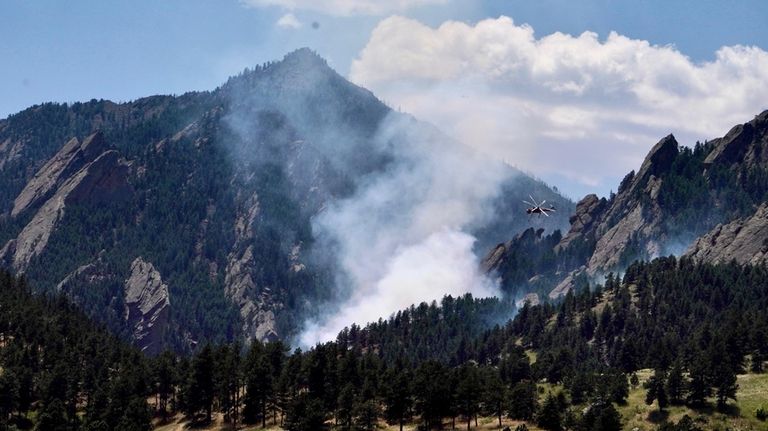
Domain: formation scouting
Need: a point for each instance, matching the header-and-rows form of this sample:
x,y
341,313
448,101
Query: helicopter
x,y
538,208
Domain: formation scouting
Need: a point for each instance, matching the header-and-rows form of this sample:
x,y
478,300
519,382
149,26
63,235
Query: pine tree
x,y
366,415
398,400
258,384
601,416
165,379
724,379
9,394
523,400
53,417
345,410
676,383
550,417
756,364
609,419
656,390
468,392
432,391
495,393
305,413
202,389
698,385
227,381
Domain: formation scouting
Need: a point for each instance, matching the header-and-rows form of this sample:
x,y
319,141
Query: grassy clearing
x,y
753,392
532,356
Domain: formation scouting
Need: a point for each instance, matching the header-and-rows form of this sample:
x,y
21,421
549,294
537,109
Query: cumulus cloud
x,y
576,106
345,7
288,21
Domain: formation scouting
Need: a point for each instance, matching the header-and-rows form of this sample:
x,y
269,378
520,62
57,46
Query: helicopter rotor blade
x,y
545,213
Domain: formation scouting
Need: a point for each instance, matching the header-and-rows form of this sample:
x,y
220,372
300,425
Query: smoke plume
x,y
402,237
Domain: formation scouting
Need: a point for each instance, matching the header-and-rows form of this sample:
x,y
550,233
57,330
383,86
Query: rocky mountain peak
x,y
743,142
658,160
304,58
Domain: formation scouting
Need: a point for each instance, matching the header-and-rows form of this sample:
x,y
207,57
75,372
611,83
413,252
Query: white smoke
x,y
402,237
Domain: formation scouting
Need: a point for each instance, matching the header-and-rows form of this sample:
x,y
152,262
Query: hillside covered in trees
x,y
570,365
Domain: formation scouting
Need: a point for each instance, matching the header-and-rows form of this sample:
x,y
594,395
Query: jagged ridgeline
x,y
707,201
180,220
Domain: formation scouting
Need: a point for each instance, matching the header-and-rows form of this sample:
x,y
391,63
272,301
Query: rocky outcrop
x,y
90,274
10,150
744,240
743,144
103,179
632,219
70,159
531,299
494,258
588,212
632,224
255,303
147,305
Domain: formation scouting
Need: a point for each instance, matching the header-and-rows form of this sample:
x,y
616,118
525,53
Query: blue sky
x,y
77,50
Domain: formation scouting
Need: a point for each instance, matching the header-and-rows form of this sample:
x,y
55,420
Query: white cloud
x,y
288,21
579,107
345,7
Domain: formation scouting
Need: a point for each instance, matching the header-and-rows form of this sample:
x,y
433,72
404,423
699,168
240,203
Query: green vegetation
x,y
60,371
601,363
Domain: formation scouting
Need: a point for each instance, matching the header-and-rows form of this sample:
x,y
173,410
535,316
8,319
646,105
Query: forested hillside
x,y
697,326
60,371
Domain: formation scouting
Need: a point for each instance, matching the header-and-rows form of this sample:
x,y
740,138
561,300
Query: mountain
x,y
706,200
182,220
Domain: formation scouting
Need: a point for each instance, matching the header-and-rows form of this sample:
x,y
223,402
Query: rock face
x,y
588,211
631,220
254,302
744,240
634,211
102,178
89,273
743,144
147,305
531,299
70,159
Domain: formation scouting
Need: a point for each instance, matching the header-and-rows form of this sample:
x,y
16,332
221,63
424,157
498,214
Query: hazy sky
x,y
517,79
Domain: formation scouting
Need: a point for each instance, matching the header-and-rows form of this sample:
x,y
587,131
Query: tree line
x,y
695,325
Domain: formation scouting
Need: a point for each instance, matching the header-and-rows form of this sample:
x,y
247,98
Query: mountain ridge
x,y
220,192
681,200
